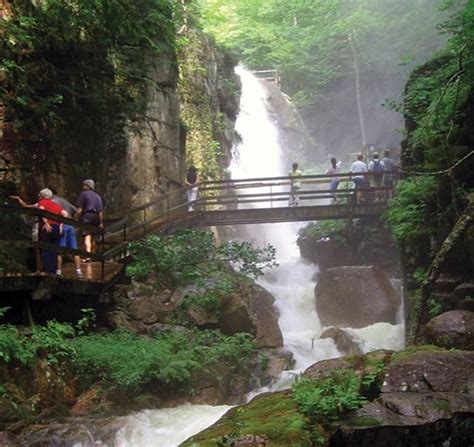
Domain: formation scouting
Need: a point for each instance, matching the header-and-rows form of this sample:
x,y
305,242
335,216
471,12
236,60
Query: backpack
x,y
377,169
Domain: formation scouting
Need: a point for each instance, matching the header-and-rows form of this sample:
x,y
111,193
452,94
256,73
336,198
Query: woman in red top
x,y
50,230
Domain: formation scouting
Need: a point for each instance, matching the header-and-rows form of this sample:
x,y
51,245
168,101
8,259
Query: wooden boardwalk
x,y
91,283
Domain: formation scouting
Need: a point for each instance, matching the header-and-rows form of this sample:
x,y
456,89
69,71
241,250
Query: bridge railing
x,y
272,191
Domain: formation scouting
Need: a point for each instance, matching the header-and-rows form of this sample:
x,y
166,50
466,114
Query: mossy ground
x,y
273,416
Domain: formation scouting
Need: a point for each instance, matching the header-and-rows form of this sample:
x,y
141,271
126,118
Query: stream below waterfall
x,y
291,283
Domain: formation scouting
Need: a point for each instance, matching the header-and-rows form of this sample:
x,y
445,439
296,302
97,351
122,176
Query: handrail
x,y
56,217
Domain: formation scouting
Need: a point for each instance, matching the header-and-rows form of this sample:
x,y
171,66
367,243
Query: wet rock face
x,y
427,400
344,342
355,297
454,329
443,371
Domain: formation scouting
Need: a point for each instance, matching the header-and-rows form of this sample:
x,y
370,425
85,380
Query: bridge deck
x,y
91,283
286,214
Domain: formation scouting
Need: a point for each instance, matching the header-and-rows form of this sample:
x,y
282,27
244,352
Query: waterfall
x,y
291,283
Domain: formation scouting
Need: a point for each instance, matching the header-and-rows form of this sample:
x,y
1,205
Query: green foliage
x,y
313,43
75,72
50,343
408,212
435,308
121,359
191,255
325,228
126,361
326,398
87,322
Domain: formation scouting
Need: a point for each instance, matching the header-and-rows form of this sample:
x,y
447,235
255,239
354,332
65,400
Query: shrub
x,y
408,211
326,398
325,228
127,361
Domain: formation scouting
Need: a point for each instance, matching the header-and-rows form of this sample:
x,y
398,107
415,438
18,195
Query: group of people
x,y
89,209
381,176
378,174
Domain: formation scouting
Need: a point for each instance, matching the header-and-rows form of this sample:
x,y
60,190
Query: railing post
x,y
102,240
125,231
102,275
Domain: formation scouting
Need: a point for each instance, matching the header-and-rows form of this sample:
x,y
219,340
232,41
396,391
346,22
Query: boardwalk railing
x,y
268,75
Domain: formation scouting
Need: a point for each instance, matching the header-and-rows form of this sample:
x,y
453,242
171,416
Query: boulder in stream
x,y
344,342
355,297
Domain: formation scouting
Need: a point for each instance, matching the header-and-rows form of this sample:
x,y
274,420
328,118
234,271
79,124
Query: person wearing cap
x,y
90,210
50,230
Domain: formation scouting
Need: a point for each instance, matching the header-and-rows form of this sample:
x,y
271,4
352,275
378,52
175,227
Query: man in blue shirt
x,y
90,210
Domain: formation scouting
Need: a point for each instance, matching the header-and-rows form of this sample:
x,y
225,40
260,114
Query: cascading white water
x,y
291,283
168,427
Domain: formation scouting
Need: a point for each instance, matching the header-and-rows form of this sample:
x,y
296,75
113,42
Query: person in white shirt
x,y
334,169
359,167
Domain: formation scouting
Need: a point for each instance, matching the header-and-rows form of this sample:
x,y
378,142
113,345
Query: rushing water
x,y
291,283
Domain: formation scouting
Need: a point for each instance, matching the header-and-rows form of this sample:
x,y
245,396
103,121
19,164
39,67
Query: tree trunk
x,y
462,224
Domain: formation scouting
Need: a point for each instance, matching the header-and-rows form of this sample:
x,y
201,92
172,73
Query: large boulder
x,y
355,297
454,329
249,308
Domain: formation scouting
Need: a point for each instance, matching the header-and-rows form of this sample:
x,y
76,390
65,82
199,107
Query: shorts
x,y
68,238
376,181
359,182
90,219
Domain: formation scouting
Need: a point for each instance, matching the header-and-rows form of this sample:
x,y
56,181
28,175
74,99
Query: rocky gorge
x,y
307,355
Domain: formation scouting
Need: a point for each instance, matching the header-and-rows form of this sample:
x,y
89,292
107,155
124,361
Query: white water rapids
x,y
291,283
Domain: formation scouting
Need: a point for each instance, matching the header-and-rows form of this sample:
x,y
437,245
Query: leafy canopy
x,y
313,42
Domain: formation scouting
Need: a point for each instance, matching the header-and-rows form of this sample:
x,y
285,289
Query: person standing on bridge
x,y
50,230
359,167
376,168
90,209
334,170
295,185
192,183
68,238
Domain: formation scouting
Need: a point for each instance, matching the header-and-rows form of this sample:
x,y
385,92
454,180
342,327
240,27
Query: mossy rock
x,y
413,350
273,416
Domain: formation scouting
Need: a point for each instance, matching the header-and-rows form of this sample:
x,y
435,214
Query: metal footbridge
x,y
226,202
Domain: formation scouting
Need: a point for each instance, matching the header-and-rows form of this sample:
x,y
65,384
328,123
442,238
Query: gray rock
x,y
454,329
355,297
